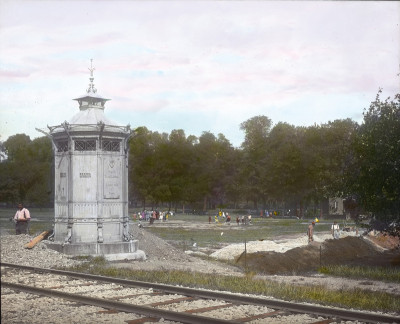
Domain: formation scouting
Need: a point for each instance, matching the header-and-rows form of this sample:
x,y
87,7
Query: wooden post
x,y
320,256
245,255
36,240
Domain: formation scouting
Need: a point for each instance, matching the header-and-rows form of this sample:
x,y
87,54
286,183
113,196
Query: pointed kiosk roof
x,y
91,114
91,105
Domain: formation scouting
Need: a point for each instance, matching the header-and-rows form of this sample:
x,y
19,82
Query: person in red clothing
x,y
21,219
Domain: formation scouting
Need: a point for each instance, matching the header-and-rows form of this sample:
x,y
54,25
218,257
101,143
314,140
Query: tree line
x,y
276,165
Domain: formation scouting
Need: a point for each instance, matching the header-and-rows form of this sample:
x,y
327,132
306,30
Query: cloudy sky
x,y
195,65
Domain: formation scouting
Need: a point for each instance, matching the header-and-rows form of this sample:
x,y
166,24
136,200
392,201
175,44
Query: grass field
x,y
204,235
261,229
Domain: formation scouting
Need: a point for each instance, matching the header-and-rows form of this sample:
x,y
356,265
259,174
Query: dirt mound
x,y
385,241
163,256
155,247
349,250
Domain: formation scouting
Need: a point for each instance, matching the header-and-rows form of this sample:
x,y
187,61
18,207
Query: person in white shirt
x,y
21,219
335,230
310,232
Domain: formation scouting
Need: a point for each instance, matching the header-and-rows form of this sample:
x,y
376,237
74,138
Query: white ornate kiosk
x,y
91,183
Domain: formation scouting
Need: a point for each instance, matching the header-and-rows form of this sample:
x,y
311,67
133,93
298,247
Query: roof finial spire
x,y
91,85
91,69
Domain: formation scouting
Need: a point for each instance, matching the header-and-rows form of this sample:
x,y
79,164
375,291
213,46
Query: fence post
x,y
320,256
245,255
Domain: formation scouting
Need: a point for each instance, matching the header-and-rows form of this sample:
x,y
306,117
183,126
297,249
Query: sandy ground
x,y
277,260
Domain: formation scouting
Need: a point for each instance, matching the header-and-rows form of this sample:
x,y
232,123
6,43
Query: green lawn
x,y
210,234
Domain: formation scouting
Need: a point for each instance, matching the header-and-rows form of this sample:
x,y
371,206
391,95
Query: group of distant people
x,y
151,216
243,220
335,231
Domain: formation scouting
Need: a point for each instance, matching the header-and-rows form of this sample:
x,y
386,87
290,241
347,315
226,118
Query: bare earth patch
x,y
297,265
347,250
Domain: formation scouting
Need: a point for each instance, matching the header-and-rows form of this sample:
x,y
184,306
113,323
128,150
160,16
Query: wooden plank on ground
x,y
36,240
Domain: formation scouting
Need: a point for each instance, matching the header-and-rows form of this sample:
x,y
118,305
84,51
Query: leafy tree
x,y
8,189
374,174
256,131
327,151
287,178
203,169
41,156
159,165
141,165
176,158
224,169
20,177
234,182
254,154
26,174
211,169
16,147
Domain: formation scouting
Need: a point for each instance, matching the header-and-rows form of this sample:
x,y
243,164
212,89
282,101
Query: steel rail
x,y
235,298
115,305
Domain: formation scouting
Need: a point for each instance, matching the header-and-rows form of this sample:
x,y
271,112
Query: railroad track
x,y
135,302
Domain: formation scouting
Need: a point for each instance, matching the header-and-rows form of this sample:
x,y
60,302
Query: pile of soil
x,y
385,241
349,250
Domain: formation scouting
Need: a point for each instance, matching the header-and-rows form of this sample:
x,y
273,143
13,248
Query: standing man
x,y
228,219
21,219
310,232
335,230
